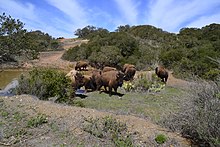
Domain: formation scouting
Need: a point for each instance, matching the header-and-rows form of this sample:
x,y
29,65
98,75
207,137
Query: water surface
x,y
6,76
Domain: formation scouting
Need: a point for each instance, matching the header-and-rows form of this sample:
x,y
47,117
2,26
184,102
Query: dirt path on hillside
x,y
71,118
53,59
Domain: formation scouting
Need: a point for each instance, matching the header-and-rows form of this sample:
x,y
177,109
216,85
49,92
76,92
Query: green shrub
x,y
45,83
213,74
109,128
37,121
128,86
160,139
144,84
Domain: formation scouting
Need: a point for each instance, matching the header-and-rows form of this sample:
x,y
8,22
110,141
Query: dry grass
x,y
200,115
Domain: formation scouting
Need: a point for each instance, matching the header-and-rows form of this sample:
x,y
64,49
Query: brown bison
x,y
111,79
127,66
129,71
88,83
96,78
107,68
161,73
77,79
81,65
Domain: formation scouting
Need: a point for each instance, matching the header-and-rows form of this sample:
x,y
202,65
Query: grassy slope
x,y
147,105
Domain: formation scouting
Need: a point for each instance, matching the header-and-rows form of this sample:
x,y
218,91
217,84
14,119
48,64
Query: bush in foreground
x,y
110,129
45,83
199,118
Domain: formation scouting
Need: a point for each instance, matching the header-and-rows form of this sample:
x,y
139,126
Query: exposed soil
x,y
69,120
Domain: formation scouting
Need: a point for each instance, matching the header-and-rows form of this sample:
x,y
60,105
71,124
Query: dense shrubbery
x,y
46,83
199,118
185,53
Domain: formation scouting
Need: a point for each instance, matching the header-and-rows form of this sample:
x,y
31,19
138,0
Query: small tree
x,y
13,40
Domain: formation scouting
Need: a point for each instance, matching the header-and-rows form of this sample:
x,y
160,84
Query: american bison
x,y
88,82
81,65
77,79
107,68
162,73
129,71
111,79
96,78
127,66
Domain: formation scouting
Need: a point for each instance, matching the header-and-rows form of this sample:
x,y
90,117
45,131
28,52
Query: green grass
x,y
150,105
161,138
36,121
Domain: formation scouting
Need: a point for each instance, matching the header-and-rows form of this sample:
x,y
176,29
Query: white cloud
x,y
128,9
171,14
14,8
205,20
34,19
72,9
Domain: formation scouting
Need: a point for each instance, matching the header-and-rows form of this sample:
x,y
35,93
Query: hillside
x,y
65,124
68,121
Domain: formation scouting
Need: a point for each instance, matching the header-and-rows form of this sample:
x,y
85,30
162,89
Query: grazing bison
x,y
161,73
81,65
111,79
96,78
129,71
127,66
107,68
88,83
77,79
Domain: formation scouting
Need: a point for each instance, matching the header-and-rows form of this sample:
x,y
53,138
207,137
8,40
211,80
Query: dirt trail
x,y
53,58
72,117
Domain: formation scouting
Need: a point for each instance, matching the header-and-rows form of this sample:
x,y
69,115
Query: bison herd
x,y
108,77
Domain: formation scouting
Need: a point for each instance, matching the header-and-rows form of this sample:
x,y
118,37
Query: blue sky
x,y
61,18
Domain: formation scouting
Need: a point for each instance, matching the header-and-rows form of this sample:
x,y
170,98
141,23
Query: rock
x,y
8,90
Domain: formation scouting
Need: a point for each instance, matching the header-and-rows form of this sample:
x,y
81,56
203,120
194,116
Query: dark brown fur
x,y
111,79
81,65
127,66
129,71
162,73
107,68
88,83
77,81
96,78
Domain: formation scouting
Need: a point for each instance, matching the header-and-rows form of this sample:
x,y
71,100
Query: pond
x,y
6,76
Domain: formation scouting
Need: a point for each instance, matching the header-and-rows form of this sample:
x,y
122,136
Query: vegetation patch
x,y
37,121
109,128
161,138
45,83
199,116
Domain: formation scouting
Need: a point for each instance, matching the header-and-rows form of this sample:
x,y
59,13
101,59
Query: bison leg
x,y
110,91
105,88
165,79
115,89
